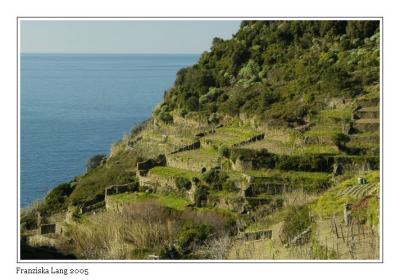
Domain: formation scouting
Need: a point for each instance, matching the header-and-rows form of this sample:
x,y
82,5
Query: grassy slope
x,y
171,201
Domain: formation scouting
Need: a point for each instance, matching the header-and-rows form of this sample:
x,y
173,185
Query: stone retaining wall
x,y
55,228
193,146
144,166
190,165
158,183
255,138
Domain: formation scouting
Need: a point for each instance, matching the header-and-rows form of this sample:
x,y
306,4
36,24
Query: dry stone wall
x,y
193,146
144,166
253,139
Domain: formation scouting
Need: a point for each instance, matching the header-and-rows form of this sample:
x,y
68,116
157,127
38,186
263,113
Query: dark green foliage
x,y
170,252
297,219
183,184
55,200
165,117
28,220
280,71
224,151
95,161
201,195
117,171
266,160
214,178
309,163
192,235
340,140
260,159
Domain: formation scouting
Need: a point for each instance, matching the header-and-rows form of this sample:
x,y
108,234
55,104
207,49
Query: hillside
x,y
267,148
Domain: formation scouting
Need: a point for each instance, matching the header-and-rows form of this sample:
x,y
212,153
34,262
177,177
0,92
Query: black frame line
x,y
381,261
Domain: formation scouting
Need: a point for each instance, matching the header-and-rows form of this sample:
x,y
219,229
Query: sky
x,y
122,36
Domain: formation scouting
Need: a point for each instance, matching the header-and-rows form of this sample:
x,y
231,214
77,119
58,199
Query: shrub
x,y
297,219
165,117
192,235
201,195
340,140
170,252
215,178
308,163
28,220
224,151
183,183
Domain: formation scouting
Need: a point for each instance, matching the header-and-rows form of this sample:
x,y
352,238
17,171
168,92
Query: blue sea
x,y
75,106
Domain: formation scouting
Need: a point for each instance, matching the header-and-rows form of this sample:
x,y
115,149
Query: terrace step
x,y
368,102
194,160
366,125
274,182
367,113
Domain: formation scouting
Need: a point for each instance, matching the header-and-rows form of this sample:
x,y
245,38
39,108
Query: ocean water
x,y
75,106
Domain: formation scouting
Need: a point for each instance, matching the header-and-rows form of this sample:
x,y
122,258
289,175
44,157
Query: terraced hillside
x,y
268,148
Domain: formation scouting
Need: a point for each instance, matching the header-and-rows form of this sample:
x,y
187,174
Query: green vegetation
x,y
55,200
230,135
279,71
297,219
204,154
215,178
183,183
119,169
331,202
309,88
170,201
171,172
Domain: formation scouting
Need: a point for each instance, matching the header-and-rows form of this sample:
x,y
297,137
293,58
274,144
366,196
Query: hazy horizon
x,y
72,53
123,36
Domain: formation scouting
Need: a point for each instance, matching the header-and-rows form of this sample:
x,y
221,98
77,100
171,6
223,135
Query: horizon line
x,y
124,53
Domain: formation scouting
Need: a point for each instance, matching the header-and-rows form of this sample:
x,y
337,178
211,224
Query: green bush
x,y
308,163
28,220
201,195
296,220
224,151
170,252
192,235
166,117
183,183
214,178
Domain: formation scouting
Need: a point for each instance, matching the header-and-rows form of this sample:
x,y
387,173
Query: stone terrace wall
x,y
258,137
158,183
144,166
116,189
193,146
192,165
55,228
